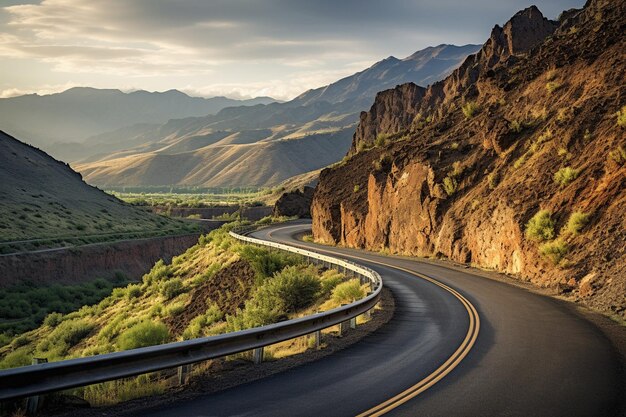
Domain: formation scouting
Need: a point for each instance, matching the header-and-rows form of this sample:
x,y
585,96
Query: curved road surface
x,y
532,357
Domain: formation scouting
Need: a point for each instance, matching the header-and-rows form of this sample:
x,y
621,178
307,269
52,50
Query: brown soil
x,y
222,374
531,77
228,289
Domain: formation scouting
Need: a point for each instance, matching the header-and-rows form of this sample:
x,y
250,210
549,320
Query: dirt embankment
x,y
84,263
459,169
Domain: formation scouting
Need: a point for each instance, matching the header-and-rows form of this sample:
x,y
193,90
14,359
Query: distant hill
x,y
262,145
79,113
44,198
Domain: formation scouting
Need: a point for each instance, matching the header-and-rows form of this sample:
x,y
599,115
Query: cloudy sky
x,y
238,48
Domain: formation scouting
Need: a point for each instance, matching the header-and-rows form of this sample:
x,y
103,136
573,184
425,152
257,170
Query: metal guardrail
x,y
55,376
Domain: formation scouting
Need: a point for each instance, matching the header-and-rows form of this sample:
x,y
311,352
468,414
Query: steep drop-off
x,y
516,162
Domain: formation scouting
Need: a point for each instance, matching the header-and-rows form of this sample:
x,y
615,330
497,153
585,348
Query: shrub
x,y
64,337
552,86
555,250
330,279
565,176
264,262
545,136
133,291
381,139
145,333
450,185
171,288
515,126
540,227
469,109
211,316
621,117
492,180
16,358
20,341
356,188
454,146
296,287
53,319
348,292
577,221
618,155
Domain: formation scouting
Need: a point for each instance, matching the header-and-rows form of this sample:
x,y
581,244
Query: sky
x,y
236,48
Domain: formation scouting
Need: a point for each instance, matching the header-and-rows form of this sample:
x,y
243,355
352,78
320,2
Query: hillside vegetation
x,y
47,204
219,285
515,162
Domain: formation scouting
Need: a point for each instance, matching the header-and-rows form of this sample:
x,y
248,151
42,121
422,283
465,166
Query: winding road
x,y
457,345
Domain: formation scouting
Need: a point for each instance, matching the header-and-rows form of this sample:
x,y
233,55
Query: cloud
x,y
256,42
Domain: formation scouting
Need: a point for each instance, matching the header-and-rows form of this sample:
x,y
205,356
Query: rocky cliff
x,y
515,162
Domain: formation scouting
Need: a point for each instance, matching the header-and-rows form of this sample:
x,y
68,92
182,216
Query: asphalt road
x,y
533,356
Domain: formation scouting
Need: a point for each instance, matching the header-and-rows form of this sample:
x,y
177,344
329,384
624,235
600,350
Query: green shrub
x,y
297,287
469,109
554,250
145,333
17,358
577,221
565,176
330,279
53,319
264,262
20,341
540,227
64,337
356,188
515,126
621,117
348,292
552,86
381,139
450,185
133,291
171,288
196,326
492,180
618,155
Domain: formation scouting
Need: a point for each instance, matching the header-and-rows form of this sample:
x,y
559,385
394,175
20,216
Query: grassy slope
x,y
44,198
216,286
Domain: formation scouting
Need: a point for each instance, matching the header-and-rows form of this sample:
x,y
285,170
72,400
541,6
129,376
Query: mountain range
x,y
263,144
70,123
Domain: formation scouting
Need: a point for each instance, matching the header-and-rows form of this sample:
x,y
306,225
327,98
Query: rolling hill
x,y
43,198
68,124
262,145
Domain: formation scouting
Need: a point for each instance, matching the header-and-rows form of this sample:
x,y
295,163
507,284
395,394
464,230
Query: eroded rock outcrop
x,y
527,124
294,203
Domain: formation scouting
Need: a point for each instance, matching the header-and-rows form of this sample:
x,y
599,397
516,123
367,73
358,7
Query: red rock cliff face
x,y
133,258
464,184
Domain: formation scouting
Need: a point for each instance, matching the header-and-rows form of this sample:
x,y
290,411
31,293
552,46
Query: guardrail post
x,y
183,374
34,403
318,339
257,355
353,323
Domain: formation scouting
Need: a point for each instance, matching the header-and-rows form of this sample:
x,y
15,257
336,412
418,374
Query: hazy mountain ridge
x,y
80,114
247,137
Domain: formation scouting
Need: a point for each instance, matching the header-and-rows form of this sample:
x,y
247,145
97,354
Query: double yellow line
x,y
445,368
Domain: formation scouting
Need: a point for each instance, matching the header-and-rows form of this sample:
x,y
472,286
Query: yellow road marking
x,y
447,367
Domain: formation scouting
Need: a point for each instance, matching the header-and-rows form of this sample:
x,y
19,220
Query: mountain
x,y
260,145
516,162
44,198
79,113
423,68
